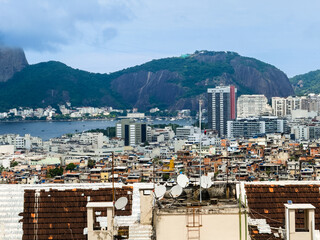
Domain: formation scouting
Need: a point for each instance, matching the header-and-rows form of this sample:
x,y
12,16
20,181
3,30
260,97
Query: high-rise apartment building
x,y
131,131
252,106
221,107
283,107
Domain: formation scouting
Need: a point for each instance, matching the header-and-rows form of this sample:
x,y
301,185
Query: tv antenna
x,y
121,203
159,191
205,182
183,181
176,191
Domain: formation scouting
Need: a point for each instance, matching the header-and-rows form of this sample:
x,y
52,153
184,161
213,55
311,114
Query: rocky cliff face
x,y
144,89
181,86
12,60
251,74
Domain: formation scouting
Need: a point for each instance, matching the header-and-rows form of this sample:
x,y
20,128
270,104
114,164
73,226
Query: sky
x,y
109,35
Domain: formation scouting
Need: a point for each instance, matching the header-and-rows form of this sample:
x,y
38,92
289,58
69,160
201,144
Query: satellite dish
x,y
176,191
206,182
159,191
121,203
183,180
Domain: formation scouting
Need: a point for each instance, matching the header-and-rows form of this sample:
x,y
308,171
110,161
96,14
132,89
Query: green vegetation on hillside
x,y
53,83
306,83
190,69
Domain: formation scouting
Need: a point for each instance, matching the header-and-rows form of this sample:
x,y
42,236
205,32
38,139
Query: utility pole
x,y
112,172
200,102
113,192
153,171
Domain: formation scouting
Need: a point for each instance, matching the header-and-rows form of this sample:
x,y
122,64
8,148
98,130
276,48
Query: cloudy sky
x,y
109,35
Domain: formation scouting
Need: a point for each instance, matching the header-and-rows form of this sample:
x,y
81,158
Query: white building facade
x,y
252,106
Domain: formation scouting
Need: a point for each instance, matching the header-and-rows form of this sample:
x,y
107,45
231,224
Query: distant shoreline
x,y
55,120
52,129
80,120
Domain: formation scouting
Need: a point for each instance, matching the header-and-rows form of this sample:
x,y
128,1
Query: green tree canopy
x,y
71,166
91,163
13,164
56,172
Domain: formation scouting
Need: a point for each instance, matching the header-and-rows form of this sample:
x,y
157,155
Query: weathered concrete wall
x,y
146,202
214,226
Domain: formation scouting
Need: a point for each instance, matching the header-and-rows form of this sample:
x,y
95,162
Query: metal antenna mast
x,y
200,147
113,193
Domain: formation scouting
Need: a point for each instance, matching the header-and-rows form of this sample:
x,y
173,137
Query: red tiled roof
x,y
267,202
63,214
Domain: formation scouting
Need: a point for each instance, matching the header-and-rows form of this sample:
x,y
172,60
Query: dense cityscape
x,y
242,139
159,120
255,142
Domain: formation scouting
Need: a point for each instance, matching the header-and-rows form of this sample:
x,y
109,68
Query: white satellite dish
x,y
206,182
183,180
159,191
121,203
176,191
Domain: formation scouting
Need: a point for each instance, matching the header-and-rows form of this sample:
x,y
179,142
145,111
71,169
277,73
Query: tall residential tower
x,y
131,131
221,107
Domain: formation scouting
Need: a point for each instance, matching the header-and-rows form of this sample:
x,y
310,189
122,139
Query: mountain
x,y
173,83
306,83
52,83
177,82
12,60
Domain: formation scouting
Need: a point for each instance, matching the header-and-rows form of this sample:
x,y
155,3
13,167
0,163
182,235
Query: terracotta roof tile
x,y
269,204
63,214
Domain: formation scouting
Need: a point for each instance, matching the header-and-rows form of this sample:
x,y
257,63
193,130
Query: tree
x,y
71,166
56,172
91,163
165,177
13,164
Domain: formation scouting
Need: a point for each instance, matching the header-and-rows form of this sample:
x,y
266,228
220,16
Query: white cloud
x,y
106,35
46,25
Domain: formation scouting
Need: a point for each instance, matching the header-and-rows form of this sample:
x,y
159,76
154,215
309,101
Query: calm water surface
x,y
47,130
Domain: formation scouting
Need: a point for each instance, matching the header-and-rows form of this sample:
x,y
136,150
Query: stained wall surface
x,y
224,225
